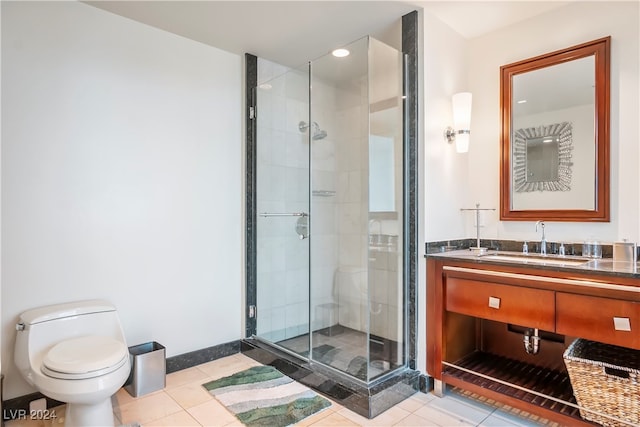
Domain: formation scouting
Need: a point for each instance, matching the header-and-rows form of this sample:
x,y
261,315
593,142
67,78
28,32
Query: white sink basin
x,y
535,258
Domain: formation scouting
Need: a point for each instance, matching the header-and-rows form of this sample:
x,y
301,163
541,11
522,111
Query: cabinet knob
x,y
622,324
494,302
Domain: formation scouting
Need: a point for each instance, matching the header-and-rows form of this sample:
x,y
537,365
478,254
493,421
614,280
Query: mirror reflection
x,y
385,155
381,174
542,159
549,104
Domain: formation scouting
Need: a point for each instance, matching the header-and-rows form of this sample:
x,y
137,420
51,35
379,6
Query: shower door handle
x,y
302,227
302,224
270,214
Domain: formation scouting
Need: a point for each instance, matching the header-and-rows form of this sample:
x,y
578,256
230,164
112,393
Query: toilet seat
x,y
84,357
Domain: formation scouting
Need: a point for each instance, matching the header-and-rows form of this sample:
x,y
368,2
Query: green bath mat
x,y
262,396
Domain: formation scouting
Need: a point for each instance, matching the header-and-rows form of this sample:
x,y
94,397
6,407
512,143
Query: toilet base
x,y
99,414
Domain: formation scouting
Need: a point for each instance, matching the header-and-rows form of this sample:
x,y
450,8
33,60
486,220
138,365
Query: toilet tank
x,y
41,328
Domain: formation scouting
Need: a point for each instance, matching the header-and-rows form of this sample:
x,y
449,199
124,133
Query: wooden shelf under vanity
x,y
476,312
513,382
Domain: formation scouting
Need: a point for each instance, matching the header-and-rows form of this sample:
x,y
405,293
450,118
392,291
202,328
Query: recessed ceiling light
x,y
522,101
265,86
340,53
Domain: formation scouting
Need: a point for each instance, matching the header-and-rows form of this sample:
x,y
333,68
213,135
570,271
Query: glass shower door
x,y
357,283
282,197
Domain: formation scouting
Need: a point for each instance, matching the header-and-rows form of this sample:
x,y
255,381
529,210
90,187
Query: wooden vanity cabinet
x,y
504,303
596,318
467,302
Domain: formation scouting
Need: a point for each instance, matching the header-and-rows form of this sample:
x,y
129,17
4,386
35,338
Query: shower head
x,y
317,132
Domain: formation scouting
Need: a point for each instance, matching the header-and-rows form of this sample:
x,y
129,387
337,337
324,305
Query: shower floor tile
x,y
182,404
346,351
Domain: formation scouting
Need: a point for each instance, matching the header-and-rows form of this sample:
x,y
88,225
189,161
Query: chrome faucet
x,y
543,242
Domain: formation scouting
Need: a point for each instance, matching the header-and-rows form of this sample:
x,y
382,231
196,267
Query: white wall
x,y
563,27
442,188
452,64
446,186
121,176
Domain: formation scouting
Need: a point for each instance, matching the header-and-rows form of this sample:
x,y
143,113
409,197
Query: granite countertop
x,y
601,266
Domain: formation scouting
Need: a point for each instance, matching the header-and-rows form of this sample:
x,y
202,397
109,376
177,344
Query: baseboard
x,y
198,357
18,407
425,383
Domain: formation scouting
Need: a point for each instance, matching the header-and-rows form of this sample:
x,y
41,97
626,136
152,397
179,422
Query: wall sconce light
x,y
461,121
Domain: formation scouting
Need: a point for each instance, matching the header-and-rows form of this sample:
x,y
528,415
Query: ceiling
x,y
475,18
293,32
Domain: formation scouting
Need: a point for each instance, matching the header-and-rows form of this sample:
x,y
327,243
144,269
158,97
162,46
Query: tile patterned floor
x,y
350,349
184,402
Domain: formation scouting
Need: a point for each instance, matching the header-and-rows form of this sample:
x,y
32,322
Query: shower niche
x,y
330,161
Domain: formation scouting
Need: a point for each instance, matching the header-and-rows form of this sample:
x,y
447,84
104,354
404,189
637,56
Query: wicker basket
x,y
605,379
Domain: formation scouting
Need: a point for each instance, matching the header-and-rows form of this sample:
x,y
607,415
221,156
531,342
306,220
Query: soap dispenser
x,y
525,248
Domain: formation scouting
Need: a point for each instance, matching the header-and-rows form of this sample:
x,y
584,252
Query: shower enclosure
x,y
329,201
329,212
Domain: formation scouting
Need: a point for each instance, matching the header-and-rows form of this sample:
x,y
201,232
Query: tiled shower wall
x,y
325,190
351,112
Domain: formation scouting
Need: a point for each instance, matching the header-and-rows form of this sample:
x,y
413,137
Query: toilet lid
x,y
84,357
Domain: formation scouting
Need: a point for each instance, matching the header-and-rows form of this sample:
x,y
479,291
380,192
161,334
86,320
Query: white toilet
x,y
75,353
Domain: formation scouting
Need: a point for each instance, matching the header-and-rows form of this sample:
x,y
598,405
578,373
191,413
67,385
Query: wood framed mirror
x,y
554,148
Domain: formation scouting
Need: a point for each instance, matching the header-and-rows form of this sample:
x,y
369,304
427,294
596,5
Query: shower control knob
x,y
20,326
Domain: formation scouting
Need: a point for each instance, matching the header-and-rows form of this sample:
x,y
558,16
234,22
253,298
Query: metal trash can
x,y
148,369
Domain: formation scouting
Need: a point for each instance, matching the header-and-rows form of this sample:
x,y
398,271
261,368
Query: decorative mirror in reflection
x,y
542,158
555,135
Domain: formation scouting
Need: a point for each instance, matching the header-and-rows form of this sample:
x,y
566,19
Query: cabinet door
x,y
606,320
528,307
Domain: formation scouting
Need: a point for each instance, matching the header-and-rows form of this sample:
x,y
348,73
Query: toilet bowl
x,y
74,353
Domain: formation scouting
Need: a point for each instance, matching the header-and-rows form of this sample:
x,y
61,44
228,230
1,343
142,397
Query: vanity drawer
x,y
606,320
532,308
